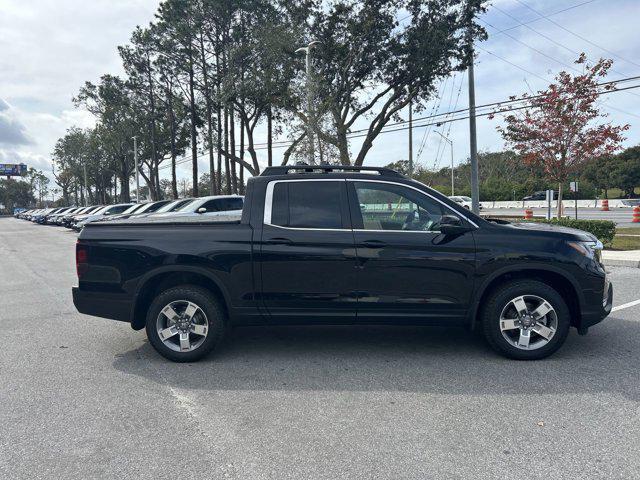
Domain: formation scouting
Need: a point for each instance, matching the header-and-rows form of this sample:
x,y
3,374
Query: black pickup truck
x,y
340,245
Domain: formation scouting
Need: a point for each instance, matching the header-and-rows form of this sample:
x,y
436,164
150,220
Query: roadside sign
x,y
573,186
12,169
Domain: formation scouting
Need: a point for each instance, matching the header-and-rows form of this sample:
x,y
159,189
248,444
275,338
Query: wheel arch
x,y
555,278
164,278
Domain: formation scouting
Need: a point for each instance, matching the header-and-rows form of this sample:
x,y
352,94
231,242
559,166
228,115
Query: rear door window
x,y
309,204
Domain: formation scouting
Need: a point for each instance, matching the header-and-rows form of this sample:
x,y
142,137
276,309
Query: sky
x,y
48,49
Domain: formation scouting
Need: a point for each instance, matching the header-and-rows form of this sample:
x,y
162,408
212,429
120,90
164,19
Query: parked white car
x,y
100,214
462,200
210,206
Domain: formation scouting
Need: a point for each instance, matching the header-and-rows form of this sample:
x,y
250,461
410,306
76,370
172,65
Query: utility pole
x,y
473,141
135,156
310,115
410,139
86,186
450,142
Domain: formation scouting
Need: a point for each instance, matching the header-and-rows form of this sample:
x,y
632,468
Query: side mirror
x,y
452,225
201,210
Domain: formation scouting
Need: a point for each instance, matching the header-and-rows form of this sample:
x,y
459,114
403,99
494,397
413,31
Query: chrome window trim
x,y
268,204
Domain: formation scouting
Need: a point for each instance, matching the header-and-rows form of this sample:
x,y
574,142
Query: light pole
x,y
86,186
310,116
450,142
135,156
410,139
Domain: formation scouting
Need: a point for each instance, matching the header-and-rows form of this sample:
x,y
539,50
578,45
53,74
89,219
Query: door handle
x,y
279,241
374,244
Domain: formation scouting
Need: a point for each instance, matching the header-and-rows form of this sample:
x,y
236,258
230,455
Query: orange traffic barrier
x,y
605,205
636,215
528,214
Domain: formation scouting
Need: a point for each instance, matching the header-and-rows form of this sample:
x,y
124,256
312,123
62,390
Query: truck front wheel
x,y
525,320
185,323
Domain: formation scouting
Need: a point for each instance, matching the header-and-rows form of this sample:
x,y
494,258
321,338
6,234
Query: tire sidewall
x,y
207,302
499,299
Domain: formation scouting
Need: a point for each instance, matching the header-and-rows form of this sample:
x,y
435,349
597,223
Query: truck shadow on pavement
x,y
403,359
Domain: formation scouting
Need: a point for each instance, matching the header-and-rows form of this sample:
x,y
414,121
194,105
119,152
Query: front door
x,y
308,260
407,269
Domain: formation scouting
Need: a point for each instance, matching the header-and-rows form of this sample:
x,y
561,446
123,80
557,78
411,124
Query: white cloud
x,y
12,132
49,49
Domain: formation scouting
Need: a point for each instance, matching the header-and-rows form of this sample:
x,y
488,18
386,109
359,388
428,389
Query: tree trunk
x,y
232,148
194,134
209,113
124,182
219,128
226,151
242,153
174,154
270,136
154,149
343,147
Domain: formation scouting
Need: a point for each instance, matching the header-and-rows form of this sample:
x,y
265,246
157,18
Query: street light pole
x,y
310,115
450,142
473,140
86,186
135,156
410,139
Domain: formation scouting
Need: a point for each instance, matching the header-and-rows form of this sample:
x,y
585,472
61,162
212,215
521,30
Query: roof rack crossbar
x,y
286,169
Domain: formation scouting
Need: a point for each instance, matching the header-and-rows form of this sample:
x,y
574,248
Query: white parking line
x,y
626,305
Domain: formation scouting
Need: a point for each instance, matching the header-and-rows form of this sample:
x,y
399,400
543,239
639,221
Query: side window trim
x,y
356,207
268,205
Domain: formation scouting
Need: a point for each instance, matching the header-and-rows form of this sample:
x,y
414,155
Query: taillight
x,y
82,259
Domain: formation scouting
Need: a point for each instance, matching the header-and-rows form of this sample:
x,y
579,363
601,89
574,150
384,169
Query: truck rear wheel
x,y
525,320
185,323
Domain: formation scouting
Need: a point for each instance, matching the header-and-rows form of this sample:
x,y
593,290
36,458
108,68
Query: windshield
x,y
135,207
100,210
175,205
115,209
153,207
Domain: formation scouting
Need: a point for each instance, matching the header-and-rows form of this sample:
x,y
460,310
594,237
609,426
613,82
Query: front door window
x,y
397,208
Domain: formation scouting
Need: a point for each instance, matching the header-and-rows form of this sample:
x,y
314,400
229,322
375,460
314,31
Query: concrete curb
x,y
629,258
622,263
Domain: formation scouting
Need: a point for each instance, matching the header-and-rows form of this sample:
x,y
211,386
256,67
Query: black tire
x,y
207,302
501,297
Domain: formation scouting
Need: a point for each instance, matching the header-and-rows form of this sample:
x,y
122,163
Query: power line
x,y
454,107
559,44
458,118
584,39
549,15
532,48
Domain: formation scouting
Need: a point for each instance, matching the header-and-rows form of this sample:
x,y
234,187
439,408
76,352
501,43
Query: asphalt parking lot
x,y
83,397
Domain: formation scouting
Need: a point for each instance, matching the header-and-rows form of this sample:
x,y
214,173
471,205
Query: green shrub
x,y
604,230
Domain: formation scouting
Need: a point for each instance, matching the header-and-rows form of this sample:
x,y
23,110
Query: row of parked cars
x,y
78,217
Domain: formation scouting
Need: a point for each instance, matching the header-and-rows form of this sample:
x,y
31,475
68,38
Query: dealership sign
x,y
12,169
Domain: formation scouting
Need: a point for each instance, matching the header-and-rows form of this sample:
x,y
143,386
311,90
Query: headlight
x,y
591,250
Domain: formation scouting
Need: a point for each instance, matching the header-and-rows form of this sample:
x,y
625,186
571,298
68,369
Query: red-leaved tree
x,y
558,129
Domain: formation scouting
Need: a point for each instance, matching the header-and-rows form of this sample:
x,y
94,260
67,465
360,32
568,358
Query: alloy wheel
x,y
528,322
182,326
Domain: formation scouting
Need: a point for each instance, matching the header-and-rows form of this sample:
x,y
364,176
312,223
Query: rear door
x,y
308,261
408,270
